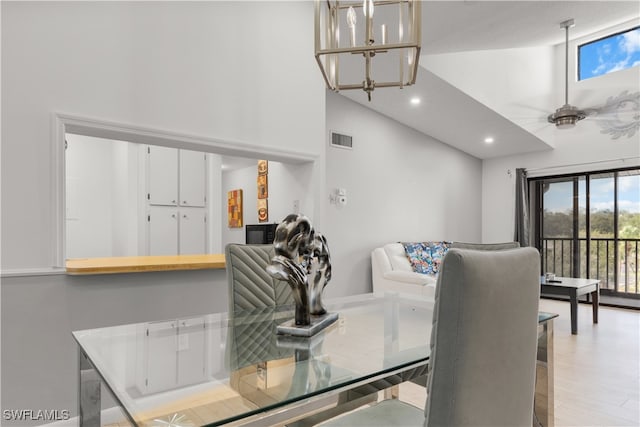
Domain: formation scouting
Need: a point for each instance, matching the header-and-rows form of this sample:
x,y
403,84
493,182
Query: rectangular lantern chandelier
x,y
368,44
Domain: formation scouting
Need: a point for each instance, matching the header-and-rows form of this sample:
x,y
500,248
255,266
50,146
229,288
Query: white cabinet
x,y
175,231
157,356
176,202
192,348
193,231
163,230
176,177
163,176
171,354
192,178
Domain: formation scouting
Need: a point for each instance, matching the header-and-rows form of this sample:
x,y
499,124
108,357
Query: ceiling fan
x,y
610,114
566,116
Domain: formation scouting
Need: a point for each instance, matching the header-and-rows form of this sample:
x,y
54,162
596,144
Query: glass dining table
x,y
222,369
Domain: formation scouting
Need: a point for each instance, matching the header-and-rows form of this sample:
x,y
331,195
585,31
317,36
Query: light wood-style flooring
x,y
597,372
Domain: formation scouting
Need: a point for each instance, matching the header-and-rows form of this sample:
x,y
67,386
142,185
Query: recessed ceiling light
x,y
415,100
489,140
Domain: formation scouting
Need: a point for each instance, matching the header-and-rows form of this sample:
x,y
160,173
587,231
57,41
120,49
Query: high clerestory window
x,y
608,54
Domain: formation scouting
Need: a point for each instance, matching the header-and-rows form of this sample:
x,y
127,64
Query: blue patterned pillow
x,y
438,251
426,257
419,257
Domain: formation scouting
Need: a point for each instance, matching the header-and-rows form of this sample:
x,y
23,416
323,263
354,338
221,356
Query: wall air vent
x,y
341,141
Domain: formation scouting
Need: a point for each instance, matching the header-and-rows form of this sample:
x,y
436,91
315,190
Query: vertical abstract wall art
x,y
234,208
263,187
263,167
263,190
263,210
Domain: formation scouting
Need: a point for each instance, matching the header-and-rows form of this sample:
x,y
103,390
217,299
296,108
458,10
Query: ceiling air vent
x,y
341,141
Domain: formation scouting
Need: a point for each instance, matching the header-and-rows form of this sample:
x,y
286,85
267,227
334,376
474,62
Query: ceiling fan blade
x,y
625,104
537,111
529,120
619,116
541,126
532,124
591,112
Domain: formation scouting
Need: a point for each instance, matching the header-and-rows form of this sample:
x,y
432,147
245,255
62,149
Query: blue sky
x,y
559,196
610,54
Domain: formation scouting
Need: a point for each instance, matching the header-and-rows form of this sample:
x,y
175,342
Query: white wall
x,y
39,355
91,196
101,197
214,203
401,186
163,65
157,65
125,238
287,182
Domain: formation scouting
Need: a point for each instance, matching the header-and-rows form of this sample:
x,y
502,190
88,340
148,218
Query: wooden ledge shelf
x,y
140,264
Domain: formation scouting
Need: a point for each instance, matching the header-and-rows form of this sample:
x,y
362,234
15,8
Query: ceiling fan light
x,y
566,123
566,117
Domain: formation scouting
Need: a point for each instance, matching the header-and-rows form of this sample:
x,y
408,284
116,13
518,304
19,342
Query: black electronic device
x,y
260,233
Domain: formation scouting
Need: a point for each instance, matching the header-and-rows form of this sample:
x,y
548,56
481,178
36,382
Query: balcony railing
x,y
613,262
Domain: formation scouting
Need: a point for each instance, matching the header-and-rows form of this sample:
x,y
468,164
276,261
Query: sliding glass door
x,y
627,227
588,225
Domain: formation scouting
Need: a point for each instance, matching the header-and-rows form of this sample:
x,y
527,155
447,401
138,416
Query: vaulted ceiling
x,y
462,118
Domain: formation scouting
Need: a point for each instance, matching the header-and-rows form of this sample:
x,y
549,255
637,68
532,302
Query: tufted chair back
x,y
250,286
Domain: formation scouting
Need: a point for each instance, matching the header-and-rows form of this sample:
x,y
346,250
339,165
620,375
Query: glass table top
x,y
543,316
568,282
213,369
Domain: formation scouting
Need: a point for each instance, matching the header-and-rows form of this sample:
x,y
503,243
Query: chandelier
x,y
348,43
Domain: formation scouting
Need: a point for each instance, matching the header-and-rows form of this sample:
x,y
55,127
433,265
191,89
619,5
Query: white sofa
x,y
391,271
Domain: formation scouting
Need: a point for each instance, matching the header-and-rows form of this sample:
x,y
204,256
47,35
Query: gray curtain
x,y
521,233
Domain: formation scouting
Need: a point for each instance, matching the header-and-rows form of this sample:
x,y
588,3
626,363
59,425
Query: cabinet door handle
x,y
184,202
173,201
184,216
173,215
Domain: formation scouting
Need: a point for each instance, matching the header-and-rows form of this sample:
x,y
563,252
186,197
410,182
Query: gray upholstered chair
x,y
250,286
251,342
483,346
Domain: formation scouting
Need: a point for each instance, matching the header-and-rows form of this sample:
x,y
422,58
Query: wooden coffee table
x,y
573,288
